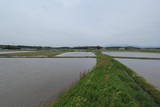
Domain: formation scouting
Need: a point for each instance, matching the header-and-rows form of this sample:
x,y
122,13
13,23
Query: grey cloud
x,y
80,22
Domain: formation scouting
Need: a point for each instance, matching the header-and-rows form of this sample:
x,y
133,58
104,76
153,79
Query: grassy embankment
x,y
110,84
38,53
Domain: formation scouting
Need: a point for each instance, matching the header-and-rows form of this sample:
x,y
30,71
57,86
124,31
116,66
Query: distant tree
x,y
10,47
99,47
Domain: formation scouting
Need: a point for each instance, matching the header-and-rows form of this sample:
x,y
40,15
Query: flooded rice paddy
x,y
133,54
149,69
9,52
75,54
32,82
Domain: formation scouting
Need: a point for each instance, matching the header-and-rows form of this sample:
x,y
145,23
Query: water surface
x,y
9,52
133,54
149,69
28,82
77,54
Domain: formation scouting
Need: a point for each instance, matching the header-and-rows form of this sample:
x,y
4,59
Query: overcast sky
x,y
80,22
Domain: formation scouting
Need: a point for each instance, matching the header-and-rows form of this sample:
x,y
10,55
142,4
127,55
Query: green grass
x,y
45,53
110,84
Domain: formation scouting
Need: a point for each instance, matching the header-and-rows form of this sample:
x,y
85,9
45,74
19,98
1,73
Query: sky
x,y
80,22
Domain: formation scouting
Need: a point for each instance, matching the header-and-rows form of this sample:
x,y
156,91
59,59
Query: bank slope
x,y
109,84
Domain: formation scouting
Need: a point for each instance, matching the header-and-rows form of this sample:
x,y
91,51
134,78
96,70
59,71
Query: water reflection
x,y
77,54
133,54
31,82
8,52
149,69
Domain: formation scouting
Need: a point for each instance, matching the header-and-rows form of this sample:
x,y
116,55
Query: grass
x,y
110,84
45,53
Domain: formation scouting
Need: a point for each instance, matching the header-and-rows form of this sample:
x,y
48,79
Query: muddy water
x,y
149,69
133,54
32,82
77,54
